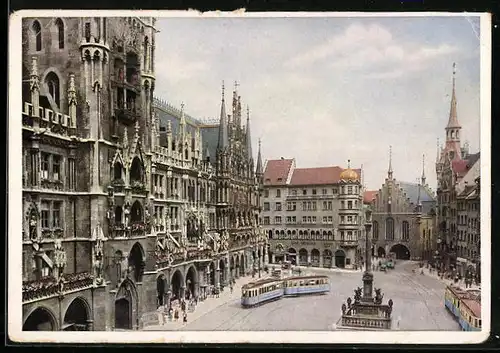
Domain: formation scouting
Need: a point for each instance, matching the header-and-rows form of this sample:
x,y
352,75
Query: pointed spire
x,y
125,137
348,164
169,126
223,137
182,124
248,136
389,171
423,170
453,120
207,153
438,152
34,79
259,161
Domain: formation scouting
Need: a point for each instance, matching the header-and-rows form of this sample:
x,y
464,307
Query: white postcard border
x,y
15,213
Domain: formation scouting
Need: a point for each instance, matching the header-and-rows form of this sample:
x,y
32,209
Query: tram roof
x,y
305,277
260,282
474,306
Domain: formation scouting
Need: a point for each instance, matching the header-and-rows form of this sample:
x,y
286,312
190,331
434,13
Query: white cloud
x,y
175,68
371,48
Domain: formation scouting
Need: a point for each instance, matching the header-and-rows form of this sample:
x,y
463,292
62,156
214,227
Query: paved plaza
x,y
418,305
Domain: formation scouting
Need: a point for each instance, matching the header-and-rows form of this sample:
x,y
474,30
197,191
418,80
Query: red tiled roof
x,y
460,166
277,171
318,176
474,306
369,196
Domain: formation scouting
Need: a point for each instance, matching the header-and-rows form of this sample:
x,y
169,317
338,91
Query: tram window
x,y
475,323
479,322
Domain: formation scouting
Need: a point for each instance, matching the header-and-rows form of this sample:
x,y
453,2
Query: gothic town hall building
x,y
128,203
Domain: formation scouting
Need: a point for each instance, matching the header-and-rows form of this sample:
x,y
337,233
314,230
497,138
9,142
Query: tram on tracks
x,y
263,291
465,306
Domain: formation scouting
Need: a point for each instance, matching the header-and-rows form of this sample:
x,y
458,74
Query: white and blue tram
x,y
261,291
265,290
302,285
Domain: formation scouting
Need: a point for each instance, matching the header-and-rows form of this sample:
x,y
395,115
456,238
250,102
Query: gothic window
x,y
45,165
87,32
136,212
136,170
389,229
117,171
146,44
53,86
37,33
60,33
44,214
56,167
56,214
118,215
405,230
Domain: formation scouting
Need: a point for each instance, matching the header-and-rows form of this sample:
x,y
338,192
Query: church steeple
x,y
453,127
223,136
248,137
258,170
389,171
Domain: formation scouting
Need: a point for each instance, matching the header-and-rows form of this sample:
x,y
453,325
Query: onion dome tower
x,y
350,193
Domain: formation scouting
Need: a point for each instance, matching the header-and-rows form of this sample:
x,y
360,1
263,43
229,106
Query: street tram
x,y
306,285
465,305
262,291
470,315
266,290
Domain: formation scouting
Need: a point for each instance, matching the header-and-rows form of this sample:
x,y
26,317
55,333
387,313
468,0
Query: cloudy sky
x,y
325,90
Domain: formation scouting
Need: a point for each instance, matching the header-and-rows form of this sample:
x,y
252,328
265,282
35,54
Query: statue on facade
x,y
344,308
33,225
216,240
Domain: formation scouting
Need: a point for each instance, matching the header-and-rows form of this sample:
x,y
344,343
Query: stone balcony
x,y
50,286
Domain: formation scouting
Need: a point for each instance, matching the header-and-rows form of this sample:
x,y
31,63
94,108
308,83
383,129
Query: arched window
x,y
60,33
52,82
117,169
375,230
405,230
146,44
37,33
389,229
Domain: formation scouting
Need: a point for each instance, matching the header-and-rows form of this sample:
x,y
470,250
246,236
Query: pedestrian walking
x,y
176,314
185,318
231,288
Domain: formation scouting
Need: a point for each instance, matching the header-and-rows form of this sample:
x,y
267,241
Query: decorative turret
x,y
349,175
249,138
72,102
223,137
259,170
182,125
35,85
389,171
423,170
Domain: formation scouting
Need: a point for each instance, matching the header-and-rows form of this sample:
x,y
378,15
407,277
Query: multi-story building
x,y
468,223
452,163
312,215
402,211
117,221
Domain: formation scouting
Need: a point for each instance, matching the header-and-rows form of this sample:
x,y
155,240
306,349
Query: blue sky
x,y
327,89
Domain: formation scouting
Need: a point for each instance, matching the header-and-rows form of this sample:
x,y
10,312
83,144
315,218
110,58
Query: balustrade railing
x,y
50,286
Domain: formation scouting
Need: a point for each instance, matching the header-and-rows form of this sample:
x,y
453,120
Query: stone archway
x,y
303,257
192,281
126,306
315,256
292,256
401,251
242,265
41,319
77,316
340,258
222,272
136,262
160,289
177,285
232,267
327,258
380,252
